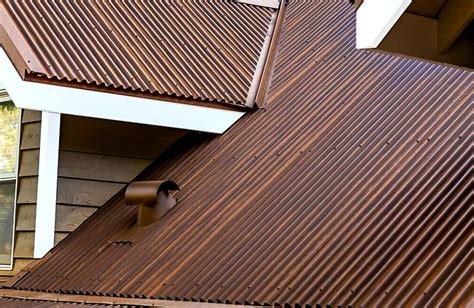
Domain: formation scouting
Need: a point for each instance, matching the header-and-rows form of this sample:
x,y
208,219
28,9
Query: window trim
x,y
9,267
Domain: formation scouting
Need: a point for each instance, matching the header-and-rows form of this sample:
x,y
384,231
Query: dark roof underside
x,y
206,50
351,187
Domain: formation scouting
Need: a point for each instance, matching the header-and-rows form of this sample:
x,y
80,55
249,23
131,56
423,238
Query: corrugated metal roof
x,y
19,298
352,187
206,50
18,303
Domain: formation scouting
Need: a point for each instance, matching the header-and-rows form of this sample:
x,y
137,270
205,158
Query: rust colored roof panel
x,y
19,303
352,187
206,50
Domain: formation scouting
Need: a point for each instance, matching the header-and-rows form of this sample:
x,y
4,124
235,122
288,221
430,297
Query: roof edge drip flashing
x,y
274,4
262,61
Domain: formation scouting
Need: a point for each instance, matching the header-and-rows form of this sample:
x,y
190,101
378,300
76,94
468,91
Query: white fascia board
x,y
375,18
58,99
47,183
274,4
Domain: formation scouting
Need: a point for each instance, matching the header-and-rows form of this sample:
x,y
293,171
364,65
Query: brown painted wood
x,y
426,8
27,189
82,192
98,136
25,217
30,136
24,244
29,162
100,167
68,217
417,36
454,17
30,116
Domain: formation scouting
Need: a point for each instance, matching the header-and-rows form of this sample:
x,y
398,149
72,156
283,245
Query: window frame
x,y
15,177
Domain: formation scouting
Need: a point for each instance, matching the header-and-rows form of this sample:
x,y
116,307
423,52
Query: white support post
x,y
47,183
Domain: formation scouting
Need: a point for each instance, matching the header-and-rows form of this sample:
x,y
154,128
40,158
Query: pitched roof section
x,y
203,50
351,187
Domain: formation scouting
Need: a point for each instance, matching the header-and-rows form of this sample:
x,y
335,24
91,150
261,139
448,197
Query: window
x,y
9,131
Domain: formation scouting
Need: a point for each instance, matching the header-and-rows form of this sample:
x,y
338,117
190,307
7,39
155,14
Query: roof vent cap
x,y
154,199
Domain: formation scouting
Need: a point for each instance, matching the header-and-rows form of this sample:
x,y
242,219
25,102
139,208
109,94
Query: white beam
x,y
47,183
274,4
57,99
375,18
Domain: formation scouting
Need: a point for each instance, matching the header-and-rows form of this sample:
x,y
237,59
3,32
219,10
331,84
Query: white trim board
x,y
375,18
58,99
274,4
47,183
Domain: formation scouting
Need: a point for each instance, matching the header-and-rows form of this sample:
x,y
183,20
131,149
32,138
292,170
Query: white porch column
x,y
47,183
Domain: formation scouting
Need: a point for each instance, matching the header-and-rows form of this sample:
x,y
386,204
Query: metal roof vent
x,y
153,199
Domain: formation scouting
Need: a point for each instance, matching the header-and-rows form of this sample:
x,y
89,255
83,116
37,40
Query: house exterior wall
x,y
27,184
97,158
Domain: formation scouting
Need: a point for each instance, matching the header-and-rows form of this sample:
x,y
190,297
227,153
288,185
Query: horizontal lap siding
x,y
27,186
97,159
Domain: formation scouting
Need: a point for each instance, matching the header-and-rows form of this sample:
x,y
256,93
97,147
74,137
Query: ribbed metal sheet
x,y
19,303
352,187
205,50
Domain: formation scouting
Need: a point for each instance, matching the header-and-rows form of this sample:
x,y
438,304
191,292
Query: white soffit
x,y
57,99
375,18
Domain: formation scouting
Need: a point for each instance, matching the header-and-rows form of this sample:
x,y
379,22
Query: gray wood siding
x,y
97,159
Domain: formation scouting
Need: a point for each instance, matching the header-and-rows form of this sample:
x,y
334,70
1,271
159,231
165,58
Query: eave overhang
x,y
81,102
